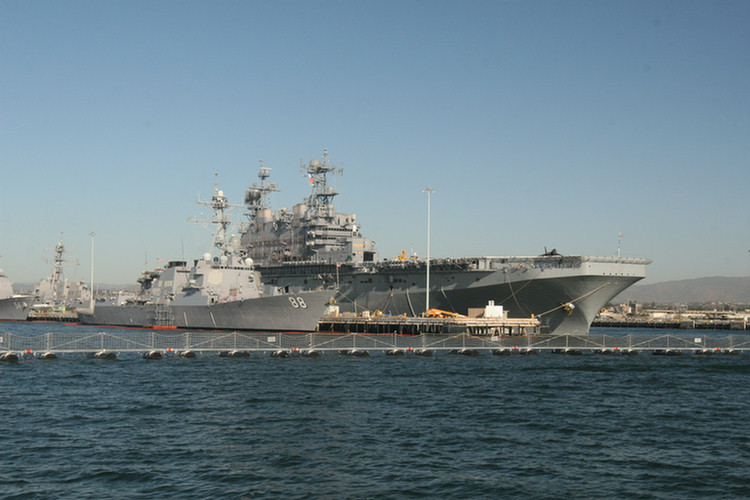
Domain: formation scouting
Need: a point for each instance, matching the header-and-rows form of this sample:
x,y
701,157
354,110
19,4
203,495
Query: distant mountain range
x,y
693,291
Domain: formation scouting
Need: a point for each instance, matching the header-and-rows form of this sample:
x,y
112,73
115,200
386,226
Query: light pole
x,y
429,192
91,292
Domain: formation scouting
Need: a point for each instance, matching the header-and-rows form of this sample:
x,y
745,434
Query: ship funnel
x,y
265,215
299,210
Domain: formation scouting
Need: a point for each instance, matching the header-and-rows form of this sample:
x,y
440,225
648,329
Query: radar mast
x,y
57,282
320,201
221,206
256,196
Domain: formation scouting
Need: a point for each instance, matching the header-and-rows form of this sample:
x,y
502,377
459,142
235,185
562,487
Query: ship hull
x,y
564,293
545,299
15,308
300,312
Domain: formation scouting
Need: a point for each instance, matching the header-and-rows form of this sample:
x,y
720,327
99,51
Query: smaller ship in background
x,y
56,296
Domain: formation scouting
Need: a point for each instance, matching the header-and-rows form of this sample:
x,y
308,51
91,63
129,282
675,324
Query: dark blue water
x,y
548,426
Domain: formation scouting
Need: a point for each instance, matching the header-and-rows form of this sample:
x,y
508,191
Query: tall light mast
x,y
91,291
429,192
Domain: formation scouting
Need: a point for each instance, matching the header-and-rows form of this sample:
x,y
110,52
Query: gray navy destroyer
x,y
220,292
57,294
13,307
313,246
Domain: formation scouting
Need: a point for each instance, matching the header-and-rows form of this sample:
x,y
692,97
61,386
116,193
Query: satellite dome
x,y
315,163
235,244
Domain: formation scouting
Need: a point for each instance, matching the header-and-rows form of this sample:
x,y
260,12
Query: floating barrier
x,y
153,345
9,357
360,353
569,351
235,353
464,352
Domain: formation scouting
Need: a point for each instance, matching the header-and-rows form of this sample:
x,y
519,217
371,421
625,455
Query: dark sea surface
x,y
546,426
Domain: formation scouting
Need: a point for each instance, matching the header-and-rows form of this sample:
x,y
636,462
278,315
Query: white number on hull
x,y
297,302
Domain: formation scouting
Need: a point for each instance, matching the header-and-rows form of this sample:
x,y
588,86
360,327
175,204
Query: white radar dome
x,y
235,244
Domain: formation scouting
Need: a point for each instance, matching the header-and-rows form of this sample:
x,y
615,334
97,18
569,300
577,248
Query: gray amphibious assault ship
x,y
220,292
313,246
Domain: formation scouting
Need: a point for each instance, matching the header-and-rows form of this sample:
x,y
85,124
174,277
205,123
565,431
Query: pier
x,y
680,324
406,325
242,344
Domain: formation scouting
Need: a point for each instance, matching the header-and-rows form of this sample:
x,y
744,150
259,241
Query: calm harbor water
x,y
546,426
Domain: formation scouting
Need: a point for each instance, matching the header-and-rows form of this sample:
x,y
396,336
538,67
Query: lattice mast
x,y
320,201
256,196
222,220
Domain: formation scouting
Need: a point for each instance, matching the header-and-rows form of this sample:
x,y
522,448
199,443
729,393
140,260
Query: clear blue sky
x,y
557,124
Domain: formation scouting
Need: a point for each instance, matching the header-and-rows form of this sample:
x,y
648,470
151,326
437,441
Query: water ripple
x,y
485,427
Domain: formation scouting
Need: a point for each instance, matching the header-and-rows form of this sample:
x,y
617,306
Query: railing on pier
x,y
144,341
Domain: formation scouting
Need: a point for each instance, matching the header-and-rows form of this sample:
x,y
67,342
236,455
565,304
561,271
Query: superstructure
x,y
223,291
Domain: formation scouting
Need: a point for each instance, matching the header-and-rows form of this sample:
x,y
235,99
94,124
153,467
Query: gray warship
x,y
220,292
13,307
57,294
313,246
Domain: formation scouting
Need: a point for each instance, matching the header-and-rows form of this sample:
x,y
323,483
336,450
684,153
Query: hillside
x,y
692,291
